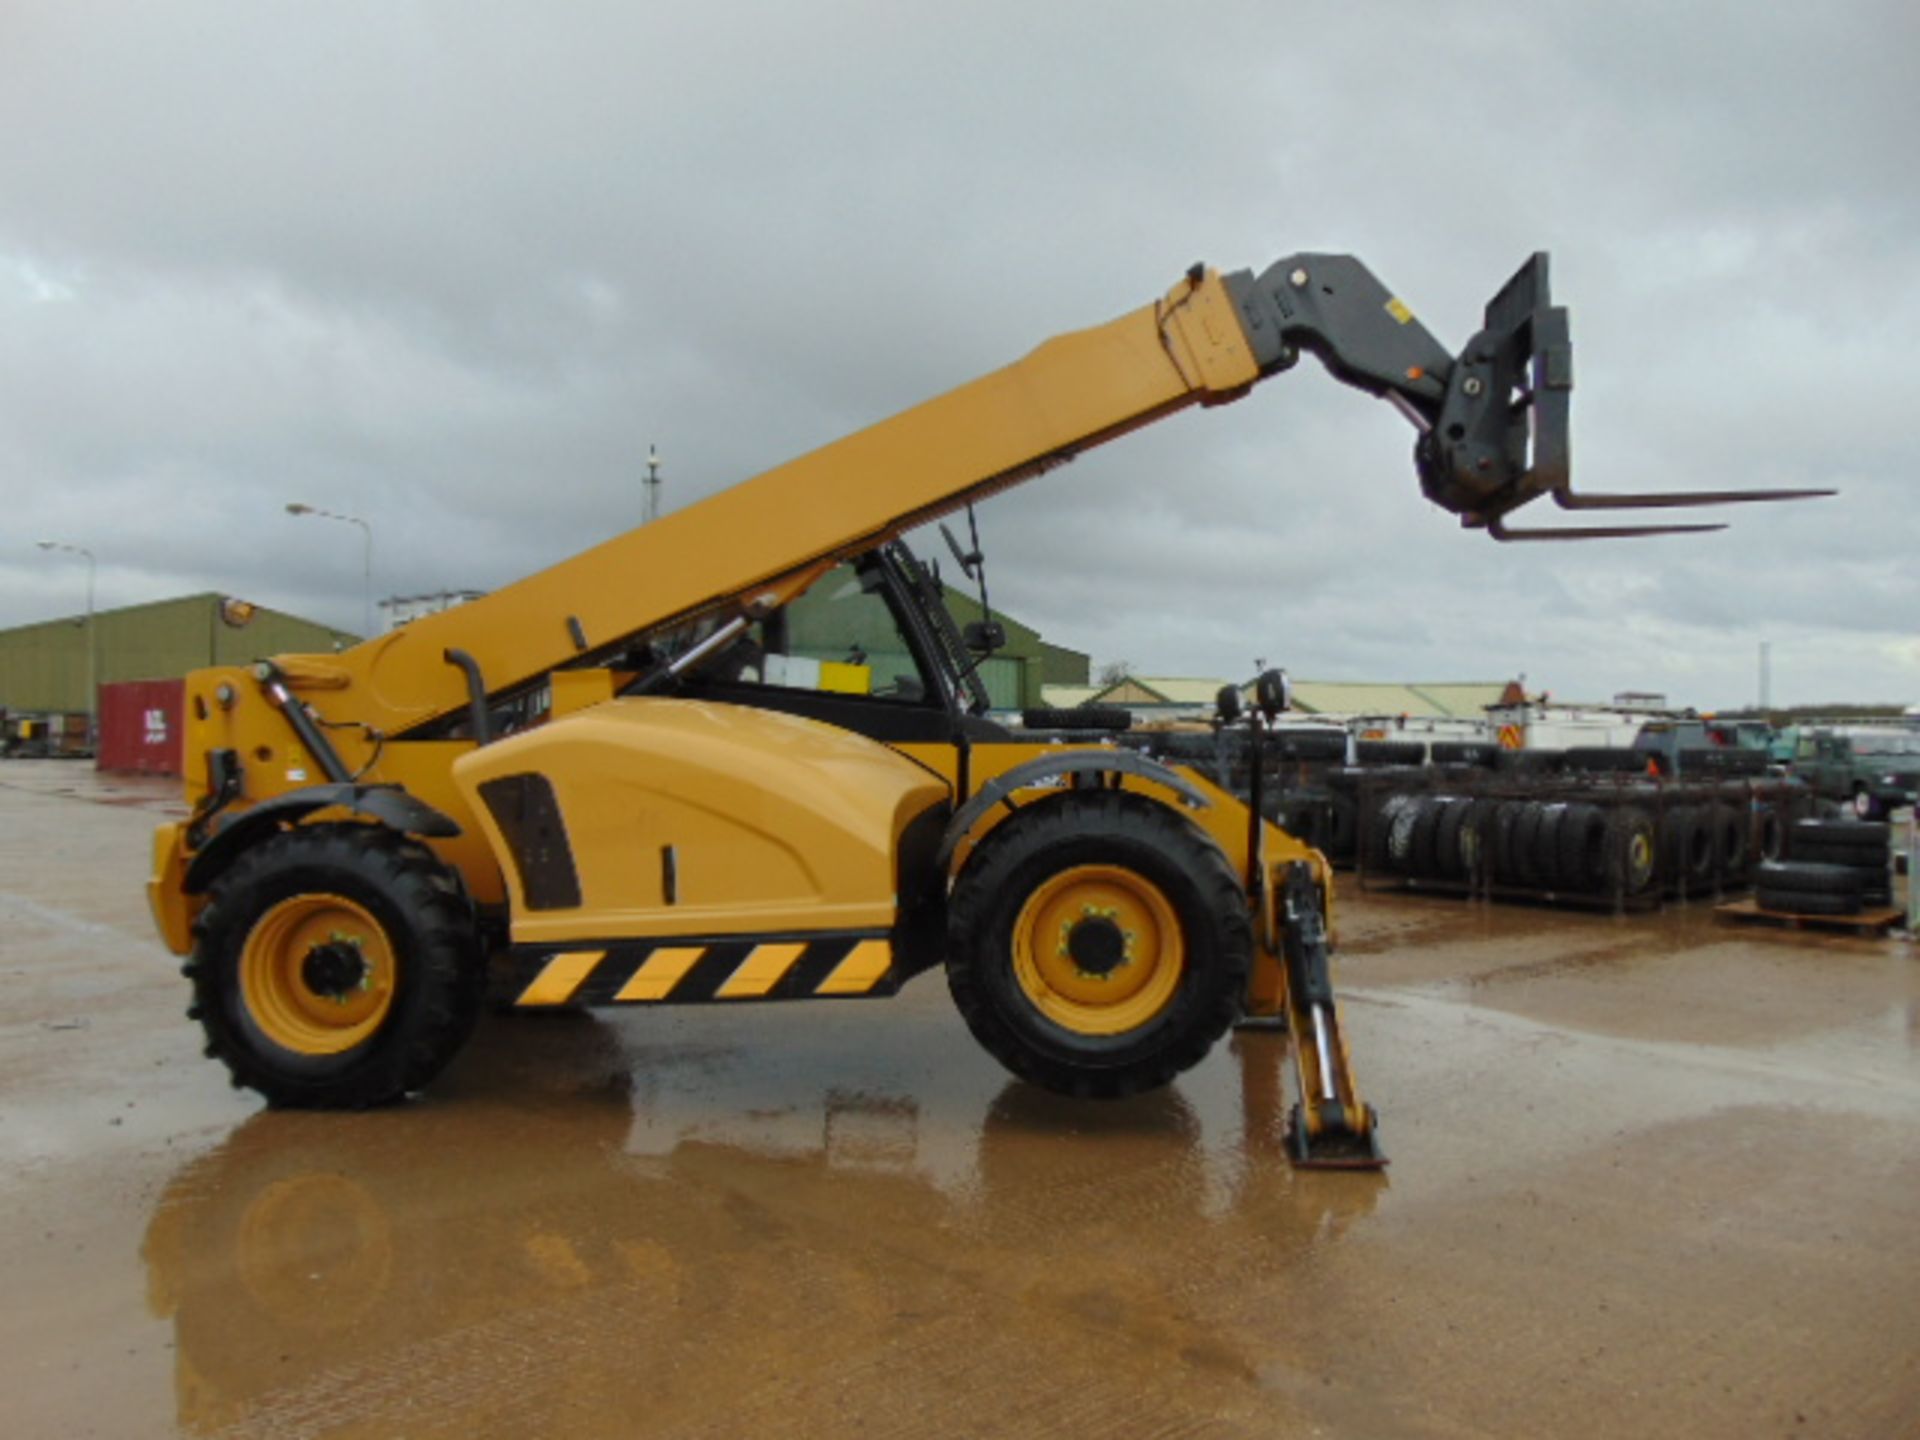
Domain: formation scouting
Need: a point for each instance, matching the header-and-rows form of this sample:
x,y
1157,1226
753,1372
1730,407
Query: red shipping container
x,y
142,726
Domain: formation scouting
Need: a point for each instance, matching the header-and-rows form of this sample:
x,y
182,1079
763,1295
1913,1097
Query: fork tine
x,y
1569,499
1499,531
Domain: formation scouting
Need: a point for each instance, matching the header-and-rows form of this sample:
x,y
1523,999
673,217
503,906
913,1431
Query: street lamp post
x,y
82,550
366,532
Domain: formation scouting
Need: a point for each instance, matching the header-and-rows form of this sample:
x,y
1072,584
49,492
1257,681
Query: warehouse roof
x,y
1065,697
1159,690
1441,700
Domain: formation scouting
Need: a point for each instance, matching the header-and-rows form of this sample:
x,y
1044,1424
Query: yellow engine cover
x,y
655,817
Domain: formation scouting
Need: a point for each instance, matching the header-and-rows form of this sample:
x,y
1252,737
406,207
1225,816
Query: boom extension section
x,y
1492,421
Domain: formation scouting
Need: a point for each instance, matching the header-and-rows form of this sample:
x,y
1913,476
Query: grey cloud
x,y
453,267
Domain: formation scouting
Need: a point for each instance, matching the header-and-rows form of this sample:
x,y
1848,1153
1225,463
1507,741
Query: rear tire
x,y
337,966
1098,944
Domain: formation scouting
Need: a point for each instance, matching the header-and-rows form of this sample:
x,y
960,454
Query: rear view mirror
x,y
983,637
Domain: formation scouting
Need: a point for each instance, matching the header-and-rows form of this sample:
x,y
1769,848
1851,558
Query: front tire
x,y
1098,944
336,966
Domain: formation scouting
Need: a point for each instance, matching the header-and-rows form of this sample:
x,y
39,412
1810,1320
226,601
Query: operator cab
x,y
871,648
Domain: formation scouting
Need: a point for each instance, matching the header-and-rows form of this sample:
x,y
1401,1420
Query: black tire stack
x,y
1551,846
1859,846
1687,849
1808,887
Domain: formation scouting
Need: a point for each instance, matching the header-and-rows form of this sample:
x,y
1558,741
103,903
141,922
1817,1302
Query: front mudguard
x,y
385,804
182,875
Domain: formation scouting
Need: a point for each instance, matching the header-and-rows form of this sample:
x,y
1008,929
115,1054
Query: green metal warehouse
x,y
44,667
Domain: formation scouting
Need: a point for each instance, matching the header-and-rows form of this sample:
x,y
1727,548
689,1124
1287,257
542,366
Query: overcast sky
x,y
451,267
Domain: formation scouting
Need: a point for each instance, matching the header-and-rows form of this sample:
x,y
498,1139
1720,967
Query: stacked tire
x,y
1575,848
1687,861
1557,847
1859,846
1733,864
1808,887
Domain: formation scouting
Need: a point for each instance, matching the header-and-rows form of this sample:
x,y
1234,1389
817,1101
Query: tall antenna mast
x,y
652,483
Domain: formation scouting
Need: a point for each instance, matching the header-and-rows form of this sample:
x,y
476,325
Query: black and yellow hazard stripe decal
x,y
681,972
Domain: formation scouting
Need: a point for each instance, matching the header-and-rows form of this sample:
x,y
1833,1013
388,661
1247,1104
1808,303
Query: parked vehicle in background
x,y
1870,769
1784,745
48,735
1698,749
1740,734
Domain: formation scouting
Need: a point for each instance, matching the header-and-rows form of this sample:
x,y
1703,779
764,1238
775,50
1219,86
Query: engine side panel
x,y
648,818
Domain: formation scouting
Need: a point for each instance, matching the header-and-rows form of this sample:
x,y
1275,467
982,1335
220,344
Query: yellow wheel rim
x,y
1098,949
317,974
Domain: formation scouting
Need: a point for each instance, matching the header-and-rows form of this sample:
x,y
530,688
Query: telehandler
x,y
616,782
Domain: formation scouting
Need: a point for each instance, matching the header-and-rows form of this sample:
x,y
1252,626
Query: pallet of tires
x,y
1861,846
1809,887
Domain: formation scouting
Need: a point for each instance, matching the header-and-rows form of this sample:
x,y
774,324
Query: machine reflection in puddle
x,y
474,1265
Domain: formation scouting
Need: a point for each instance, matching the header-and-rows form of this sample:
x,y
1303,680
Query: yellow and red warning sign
x,y
1511,738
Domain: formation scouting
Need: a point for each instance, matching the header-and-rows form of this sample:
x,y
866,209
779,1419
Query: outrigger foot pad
x,y
1335,1149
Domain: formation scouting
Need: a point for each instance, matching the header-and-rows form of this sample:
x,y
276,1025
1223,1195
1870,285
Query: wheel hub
x,y
336,970
1097,945
1098,950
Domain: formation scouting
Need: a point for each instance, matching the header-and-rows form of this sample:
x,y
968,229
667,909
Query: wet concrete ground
x,y
1652,1176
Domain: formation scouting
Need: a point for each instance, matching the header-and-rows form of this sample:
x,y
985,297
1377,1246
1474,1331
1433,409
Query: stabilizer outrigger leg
x,y
1331,1127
